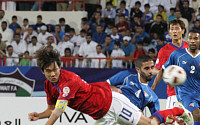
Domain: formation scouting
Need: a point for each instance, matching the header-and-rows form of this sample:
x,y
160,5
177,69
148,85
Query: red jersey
x,y
93,99
163,56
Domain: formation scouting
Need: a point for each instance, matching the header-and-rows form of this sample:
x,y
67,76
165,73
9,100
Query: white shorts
x,y
121,112
171,100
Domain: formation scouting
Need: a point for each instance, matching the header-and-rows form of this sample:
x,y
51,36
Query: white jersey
x,y
19,48
95,62
63,45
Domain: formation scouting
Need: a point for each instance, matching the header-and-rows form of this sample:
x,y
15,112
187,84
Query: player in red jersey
x,y
176,30
95,99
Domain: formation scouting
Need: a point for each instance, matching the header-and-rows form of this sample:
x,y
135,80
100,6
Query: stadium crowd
x,y
129,30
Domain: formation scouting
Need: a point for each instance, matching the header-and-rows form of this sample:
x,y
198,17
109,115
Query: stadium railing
x,y
81,62
73,2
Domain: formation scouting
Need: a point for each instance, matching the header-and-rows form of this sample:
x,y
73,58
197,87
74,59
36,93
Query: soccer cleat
x,y
187,115
174,120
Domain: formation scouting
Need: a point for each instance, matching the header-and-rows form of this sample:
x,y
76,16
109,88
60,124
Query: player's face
x,y
175,31
146,70
52,73
193,41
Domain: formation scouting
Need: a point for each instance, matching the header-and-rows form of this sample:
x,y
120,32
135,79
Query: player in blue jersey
x,y
189,60
135,86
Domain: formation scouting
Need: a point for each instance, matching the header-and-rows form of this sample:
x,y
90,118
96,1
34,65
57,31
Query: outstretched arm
x,y
46,114
59,109
157,79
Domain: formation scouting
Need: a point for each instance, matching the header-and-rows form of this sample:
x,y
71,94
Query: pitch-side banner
x,y
14,111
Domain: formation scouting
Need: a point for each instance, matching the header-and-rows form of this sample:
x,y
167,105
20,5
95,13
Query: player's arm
x,y
157,79
59,109
46,114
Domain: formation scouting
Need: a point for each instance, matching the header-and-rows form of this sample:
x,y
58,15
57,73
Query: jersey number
x,y
192,69
126,114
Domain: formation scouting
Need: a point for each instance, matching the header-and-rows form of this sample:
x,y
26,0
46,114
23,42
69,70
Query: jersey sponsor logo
x,y
66,91
132,83
145,94
157,61
184,62
191,105
137,94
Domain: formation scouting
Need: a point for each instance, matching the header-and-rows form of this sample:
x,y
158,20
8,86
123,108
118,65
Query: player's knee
x,y
196,115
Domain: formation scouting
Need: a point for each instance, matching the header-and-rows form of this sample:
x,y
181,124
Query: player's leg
x,y
190,102
171,100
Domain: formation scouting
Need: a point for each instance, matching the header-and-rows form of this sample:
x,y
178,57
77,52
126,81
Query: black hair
x,y
39,16
85,19
34,37
99,45
9,46
67,49
26,52
83,31
117,44
14,17
172,9
46,56
194,31
25,19
4,22
180,22
152,50
61,19
147,5
71,30
141,59
123,2
138,2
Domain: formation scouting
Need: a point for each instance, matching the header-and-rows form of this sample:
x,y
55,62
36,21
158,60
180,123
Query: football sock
x,y
162,115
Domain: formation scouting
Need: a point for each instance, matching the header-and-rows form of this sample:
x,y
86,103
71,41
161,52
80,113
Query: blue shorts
x,y
191,101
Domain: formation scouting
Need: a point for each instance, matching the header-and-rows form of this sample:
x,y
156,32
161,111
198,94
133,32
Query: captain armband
x,y
60,107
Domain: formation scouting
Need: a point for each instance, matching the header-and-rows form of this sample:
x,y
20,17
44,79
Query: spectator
x,y
98,9
68,60
58,34
32,48
64,27
65,44
12,58
113,2
29,34
160,44
154,5
51,41
152,53
147,44
135,10
135,22
167,38
50,28
139,35
97,63
25,25
19,45
97,20
25,61
122,25
14,24
86,48
139,50
42,37
7,33
115,36
2,19
122,11
161,11
73,35
84,24
131,4
109,13
109,27
172,15
187,12
99,36
195,4
155,39
195,25
158,26
128,49
128,33
2,44
116,56
80,39
39,23
62,5
147,17
198,15
108,46
179,16
19,31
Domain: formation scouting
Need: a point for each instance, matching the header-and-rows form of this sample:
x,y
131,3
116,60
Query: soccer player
x,y
189,60
176,31
95,99
135,86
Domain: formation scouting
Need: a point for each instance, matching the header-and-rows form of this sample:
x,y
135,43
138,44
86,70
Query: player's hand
x,y
115,89
153,87
33,116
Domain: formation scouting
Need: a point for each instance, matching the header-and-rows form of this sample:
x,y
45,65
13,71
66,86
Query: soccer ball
x,y
174,75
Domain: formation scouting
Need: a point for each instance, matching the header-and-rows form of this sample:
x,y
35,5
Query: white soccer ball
x,y
174,75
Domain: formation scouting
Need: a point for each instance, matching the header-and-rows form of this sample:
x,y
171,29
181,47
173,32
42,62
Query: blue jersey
x,y
191,65
138,93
